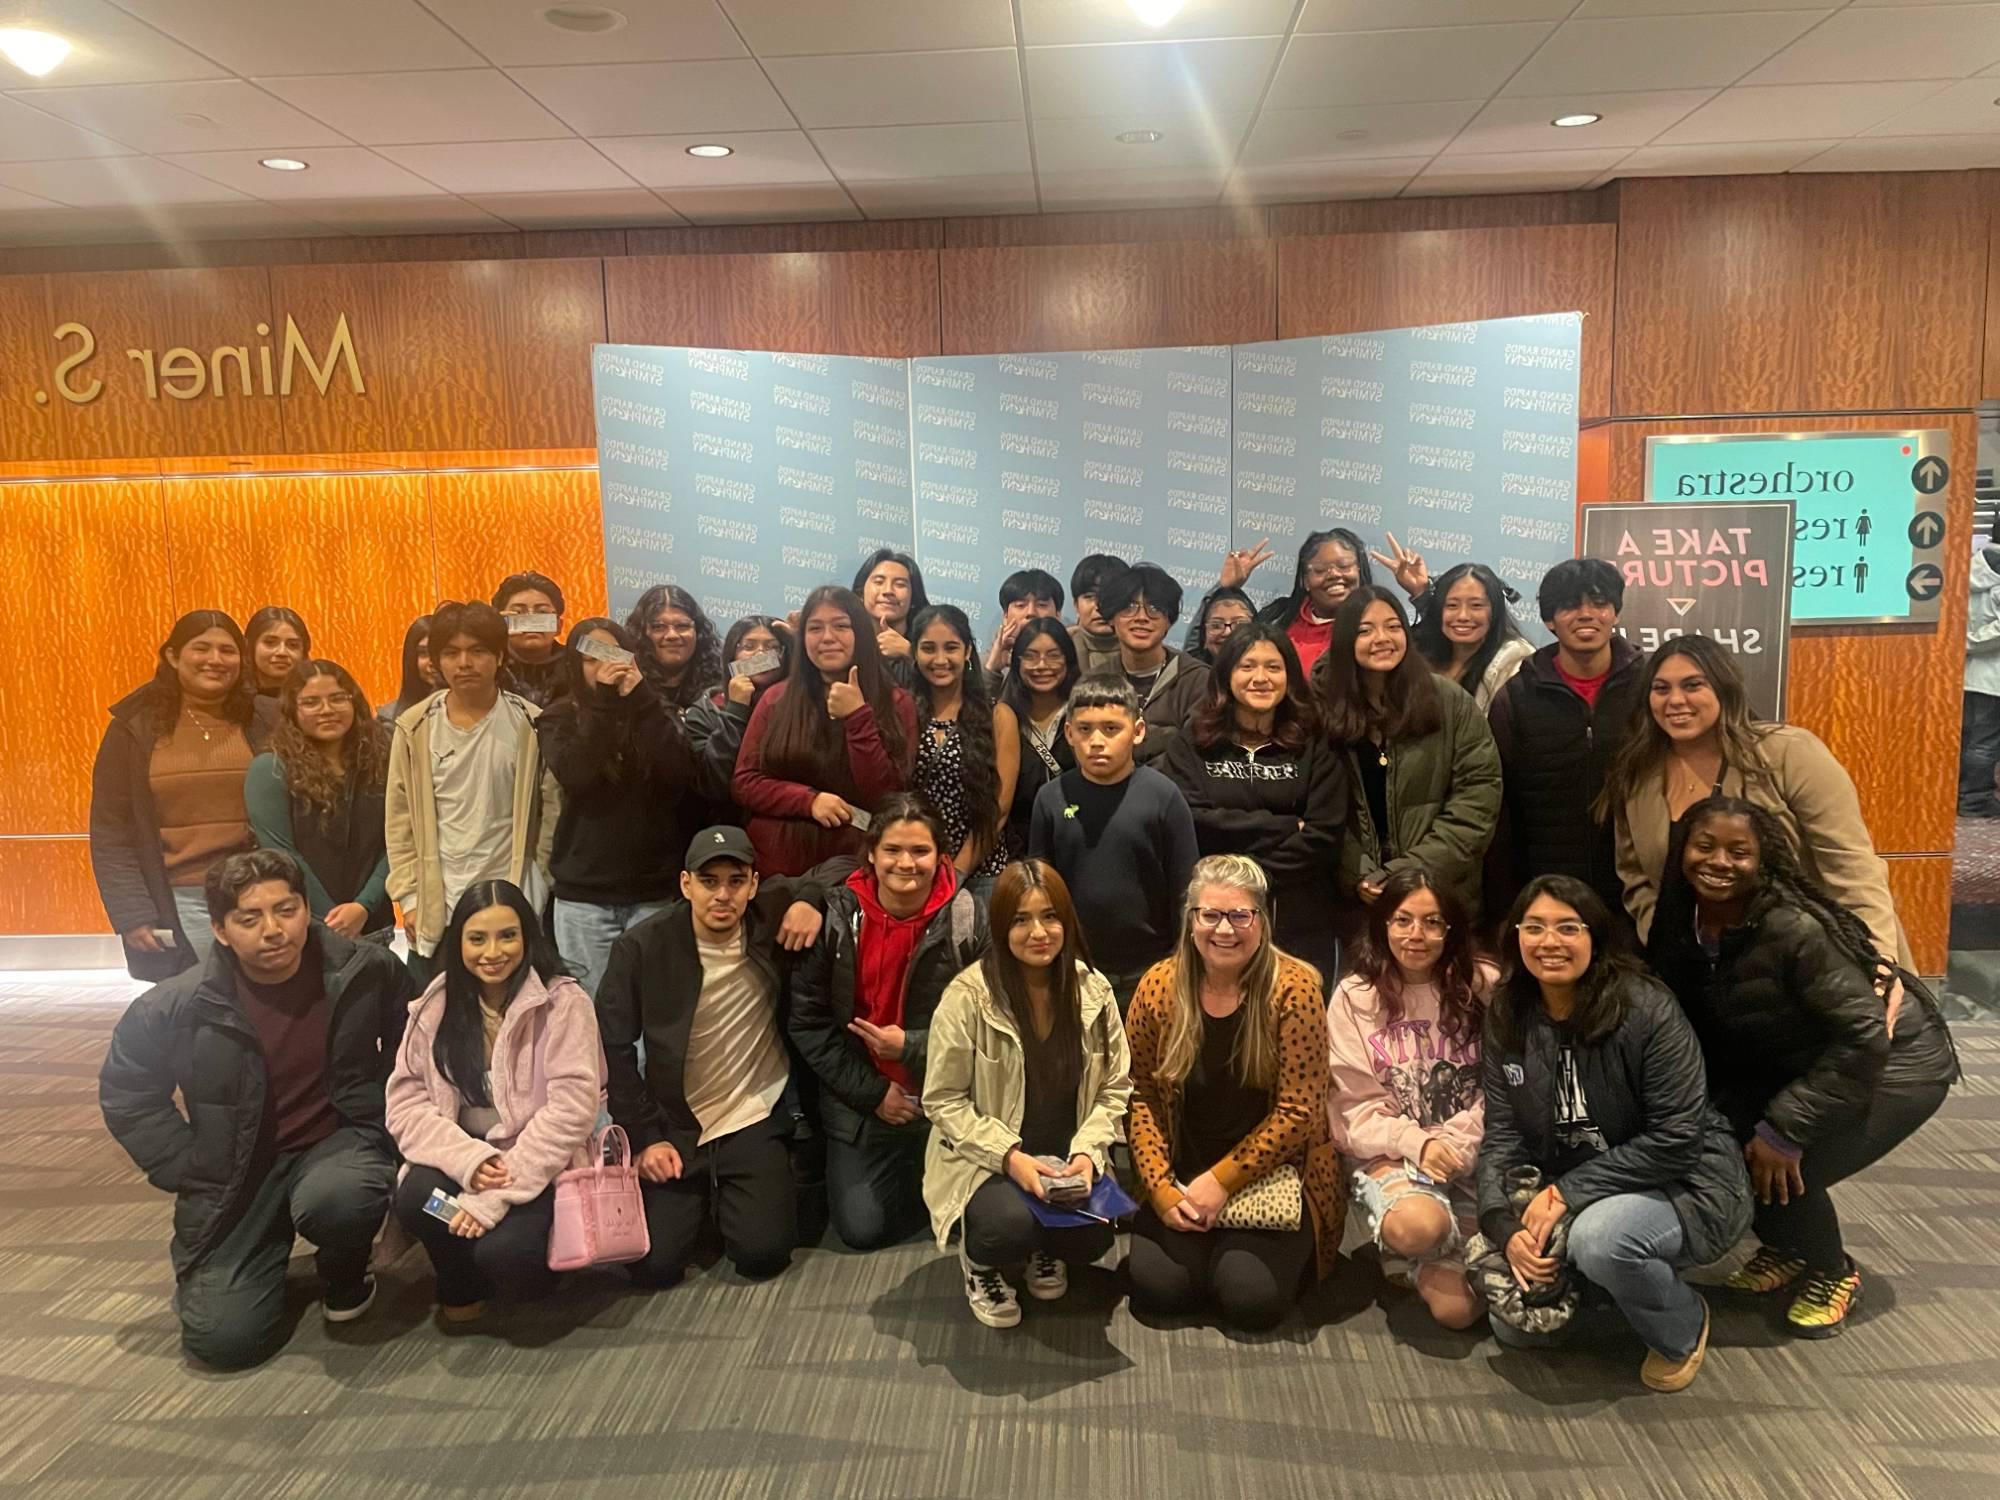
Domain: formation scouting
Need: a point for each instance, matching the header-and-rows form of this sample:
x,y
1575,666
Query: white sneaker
x,y
1048,1278
991,1299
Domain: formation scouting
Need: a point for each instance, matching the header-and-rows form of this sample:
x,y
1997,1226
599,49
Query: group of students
x,y
838,908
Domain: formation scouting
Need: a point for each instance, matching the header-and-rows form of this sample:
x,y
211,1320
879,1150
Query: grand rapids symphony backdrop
x,y
750,477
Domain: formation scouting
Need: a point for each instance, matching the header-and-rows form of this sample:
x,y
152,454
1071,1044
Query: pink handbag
x,y
600,1214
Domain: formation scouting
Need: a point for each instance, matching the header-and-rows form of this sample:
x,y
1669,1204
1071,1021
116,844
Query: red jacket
x,y
779,811
882,954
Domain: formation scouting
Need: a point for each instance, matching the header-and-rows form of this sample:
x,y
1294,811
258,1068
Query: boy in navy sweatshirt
x,y
1119,833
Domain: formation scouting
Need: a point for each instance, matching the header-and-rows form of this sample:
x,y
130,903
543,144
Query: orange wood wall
x,y
1710,303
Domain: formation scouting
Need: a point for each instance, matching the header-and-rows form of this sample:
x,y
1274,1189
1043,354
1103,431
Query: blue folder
x,y
1107,1200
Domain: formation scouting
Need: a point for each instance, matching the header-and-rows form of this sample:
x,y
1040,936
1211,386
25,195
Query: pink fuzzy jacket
x,y
1398,1085
548,1086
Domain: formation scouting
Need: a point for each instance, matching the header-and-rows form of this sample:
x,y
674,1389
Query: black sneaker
x,y
343,1304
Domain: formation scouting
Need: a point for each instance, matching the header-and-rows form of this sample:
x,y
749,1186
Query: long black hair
x,y
1410,707
975,724
1015,693
1456,975
161,705
459,1051
1296,720
1281,612
1428,636
621,760
1600,992
275,614
703,668
416,650
1008,985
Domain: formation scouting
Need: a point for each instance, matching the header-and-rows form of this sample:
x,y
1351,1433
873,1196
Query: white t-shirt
x,y
736,1066
472,783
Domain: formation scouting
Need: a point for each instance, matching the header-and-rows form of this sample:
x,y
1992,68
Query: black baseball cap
x,y
720,842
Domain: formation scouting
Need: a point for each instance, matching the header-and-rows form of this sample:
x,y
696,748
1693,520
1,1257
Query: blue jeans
x,y
585,932
191,906
1630,1245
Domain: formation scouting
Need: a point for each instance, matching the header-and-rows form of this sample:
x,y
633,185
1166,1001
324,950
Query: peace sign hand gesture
x,y
1238,565
1407,566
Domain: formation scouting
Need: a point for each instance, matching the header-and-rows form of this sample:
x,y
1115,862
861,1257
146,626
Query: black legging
x,y
1253,1275
999,1229
511,1259
1808,1227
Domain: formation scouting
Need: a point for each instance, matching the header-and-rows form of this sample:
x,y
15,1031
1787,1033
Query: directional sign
x,y
1713,570
1870,511
1924,581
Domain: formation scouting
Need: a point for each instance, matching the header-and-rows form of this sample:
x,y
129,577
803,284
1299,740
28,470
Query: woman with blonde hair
x,y
1229,1112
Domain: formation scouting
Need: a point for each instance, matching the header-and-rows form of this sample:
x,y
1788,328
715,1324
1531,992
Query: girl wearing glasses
x,y
1229,1126
1222,609
681,654
1597,1101
715,724
317,794
1406,1107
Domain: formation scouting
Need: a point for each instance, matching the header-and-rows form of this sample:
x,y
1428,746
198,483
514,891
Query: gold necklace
x,y
206,737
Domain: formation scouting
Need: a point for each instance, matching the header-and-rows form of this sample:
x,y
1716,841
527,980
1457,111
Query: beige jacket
x,y
416,873
976,1090
1812,795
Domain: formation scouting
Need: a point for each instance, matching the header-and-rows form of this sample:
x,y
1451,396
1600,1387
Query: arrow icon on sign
x,y
1927,529
1681,606
1929,475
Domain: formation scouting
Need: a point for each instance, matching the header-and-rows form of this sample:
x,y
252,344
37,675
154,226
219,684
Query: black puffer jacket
x,y
1791,1026
714,727
190,1035
823,980
1647,1094
624,768
1554,749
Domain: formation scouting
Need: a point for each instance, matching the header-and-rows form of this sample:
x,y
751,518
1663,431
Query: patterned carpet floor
x,y
866,1377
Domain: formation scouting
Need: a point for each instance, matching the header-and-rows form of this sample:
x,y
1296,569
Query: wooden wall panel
x,y
1474,211
883,303
29,430
222,307
551,312
349,552
1352,283
46,887
1814,292
487,525
123,310
1046,297
1922,891
91,559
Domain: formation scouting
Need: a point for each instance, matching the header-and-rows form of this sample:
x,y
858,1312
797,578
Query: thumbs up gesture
x,y
842,698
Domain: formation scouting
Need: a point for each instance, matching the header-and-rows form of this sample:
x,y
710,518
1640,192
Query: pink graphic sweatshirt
x,y
1397,1085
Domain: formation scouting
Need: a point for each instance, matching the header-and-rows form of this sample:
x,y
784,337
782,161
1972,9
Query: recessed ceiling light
x,y
1156,12
193,120
1139,137
283,164
711,150
1570,122
588,19
36,53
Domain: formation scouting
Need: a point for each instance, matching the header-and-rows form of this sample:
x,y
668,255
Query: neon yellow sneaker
x,y
1767,1271
1821,1308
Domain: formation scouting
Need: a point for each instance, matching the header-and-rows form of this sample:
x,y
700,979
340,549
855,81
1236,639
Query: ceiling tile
x,y
1701,161
628,208
1963,109
1366,130
788,28
414,109
1525,172
1169,187
1796,112
900,88
511,166
1391,15
13,200
111,181
1203,142
1046,23
332,172
1657,52
656,98
1219,77
899,152
1910,153
318,36
1865,46
1395,67
1306,182
775,158
1596,8
107,45
802,203
439,215
221,116
656,31
953,197
1522,124
26,134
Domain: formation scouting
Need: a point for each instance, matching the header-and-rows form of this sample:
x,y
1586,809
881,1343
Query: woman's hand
x,y
1239,564
1541,1215
1440,1161
1531,1268
1891,991
843,698
659,1162
491,1174
141,939
742,691
830,811
1406,566
1772,1173
1370,889
886,1042
1207,1197
1186,1218
622,675
1028,1173
1080,1165
465,1226
800,929
348,918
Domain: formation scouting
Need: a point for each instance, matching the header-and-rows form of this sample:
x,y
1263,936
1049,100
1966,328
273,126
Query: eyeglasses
x,y
1320,572
1569,932
1403,924
1208,919
331,700
671,627
1139,609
